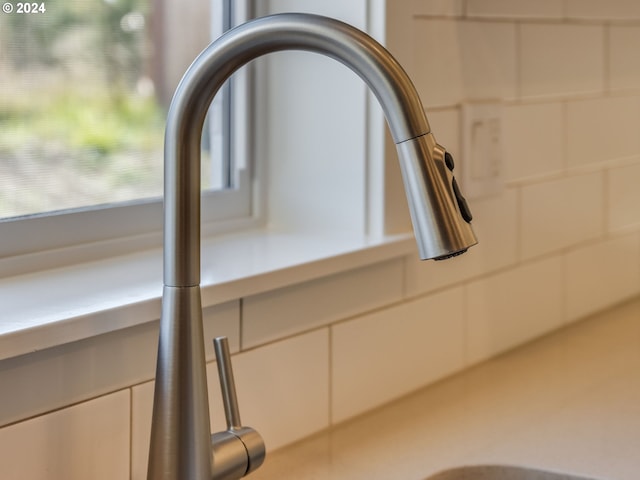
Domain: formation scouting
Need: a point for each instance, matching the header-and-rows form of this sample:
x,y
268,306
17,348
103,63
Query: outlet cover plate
x,y
482,149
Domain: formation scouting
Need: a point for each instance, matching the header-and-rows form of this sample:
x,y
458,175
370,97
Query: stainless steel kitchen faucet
x,y
182,447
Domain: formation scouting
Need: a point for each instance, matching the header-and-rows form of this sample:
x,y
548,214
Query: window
x,y
85,85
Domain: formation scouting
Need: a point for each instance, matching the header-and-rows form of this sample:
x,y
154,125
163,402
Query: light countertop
x,y
568,402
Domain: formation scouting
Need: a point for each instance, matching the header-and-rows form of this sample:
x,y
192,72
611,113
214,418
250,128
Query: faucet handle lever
x,y
227,383
238,450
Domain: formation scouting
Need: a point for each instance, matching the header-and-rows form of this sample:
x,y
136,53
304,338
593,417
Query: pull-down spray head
x,y
181,443
439,213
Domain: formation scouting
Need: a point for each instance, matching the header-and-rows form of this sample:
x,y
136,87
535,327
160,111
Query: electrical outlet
x,y
482,165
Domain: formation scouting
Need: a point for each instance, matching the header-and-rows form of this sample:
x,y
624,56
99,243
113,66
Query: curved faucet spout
x,y
366,57
180,439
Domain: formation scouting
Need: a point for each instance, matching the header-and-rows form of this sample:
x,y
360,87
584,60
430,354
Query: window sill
x,y
58,306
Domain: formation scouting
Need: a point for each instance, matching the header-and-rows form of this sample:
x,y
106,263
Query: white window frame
x,y
55,306
55,239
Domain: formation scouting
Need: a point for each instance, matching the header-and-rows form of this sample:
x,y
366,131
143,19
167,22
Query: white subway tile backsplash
x,y
383,355
71,373
533,139
624,197
283,388
221,321
283,392
495,224
88,440
464,60
510,308
552,9
141,406
602,129
426,276
602,274
603,10
287,311
437,66
437,7
488,57
561,59
75,372
624,61
560,213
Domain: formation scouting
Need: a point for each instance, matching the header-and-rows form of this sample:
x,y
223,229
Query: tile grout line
x,y
240,324
330,386
606,60
130,433
519,56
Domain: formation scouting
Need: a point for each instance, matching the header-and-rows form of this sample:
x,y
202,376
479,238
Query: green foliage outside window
x,y
77,100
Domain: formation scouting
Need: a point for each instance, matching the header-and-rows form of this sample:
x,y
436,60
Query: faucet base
x,y
180,434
